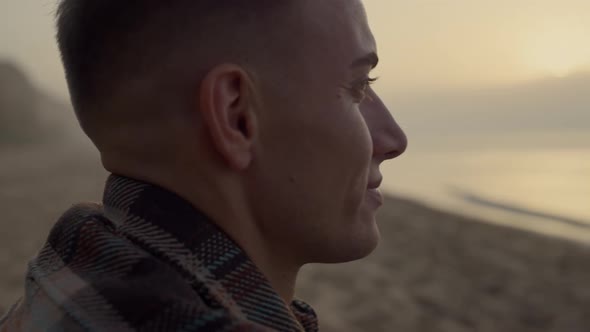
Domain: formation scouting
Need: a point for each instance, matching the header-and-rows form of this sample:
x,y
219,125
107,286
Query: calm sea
x,y
541,189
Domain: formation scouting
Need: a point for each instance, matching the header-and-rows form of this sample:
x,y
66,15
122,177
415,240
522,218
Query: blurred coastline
x,y
523,149
545,190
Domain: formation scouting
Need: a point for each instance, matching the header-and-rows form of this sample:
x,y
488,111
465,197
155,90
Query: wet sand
x,y
433,271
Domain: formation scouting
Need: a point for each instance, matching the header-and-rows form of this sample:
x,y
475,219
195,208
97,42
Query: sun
x,y
558,49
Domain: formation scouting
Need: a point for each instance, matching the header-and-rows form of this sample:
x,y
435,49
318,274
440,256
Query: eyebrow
x,y
370,59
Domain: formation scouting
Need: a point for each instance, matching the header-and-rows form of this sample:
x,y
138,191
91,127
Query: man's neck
x,y
229,210
242,228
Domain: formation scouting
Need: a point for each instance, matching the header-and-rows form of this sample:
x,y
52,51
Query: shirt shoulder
x,y
89,277
43,314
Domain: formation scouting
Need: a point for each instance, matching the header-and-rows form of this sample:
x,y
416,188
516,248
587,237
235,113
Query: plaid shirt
x,y
147,260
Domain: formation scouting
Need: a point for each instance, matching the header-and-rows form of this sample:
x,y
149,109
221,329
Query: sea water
x,y
543,189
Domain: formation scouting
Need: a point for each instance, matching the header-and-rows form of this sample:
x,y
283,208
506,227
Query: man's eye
x,y
359,88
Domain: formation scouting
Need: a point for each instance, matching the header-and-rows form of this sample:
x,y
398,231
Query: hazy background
x,y
494,97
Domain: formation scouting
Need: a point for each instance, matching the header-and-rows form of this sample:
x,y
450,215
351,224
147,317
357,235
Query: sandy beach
x,y
433,271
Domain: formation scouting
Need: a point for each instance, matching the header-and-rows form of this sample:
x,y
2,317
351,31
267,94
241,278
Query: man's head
x,y
258,110
130,61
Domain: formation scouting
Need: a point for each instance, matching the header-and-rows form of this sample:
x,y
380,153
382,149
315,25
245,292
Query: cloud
x,y
553,105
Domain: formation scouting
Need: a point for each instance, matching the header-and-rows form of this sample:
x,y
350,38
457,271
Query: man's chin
x,y
353,250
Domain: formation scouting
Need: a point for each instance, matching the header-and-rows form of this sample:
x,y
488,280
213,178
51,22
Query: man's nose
x,y
389,140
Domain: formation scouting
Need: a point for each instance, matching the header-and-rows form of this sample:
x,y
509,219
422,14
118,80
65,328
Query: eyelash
x,y
359,88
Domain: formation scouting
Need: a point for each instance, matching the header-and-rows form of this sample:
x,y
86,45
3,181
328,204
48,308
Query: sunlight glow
x,y
558,48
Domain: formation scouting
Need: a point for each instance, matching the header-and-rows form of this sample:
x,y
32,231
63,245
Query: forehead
x,y
338,28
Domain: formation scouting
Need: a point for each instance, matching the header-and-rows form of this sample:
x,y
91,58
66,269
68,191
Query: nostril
x,y
391,147
393,154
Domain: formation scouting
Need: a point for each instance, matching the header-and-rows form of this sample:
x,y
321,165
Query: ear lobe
x,y
226,106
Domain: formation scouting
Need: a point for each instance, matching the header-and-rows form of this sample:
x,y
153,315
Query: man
x,y
244,141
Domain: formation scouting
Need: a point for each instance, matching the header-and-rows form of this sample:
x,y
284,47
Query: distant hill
x,y
27,114
553,105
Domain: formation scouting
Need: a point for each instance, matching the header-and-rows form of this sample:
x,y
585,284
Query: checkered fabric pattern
x,y
147,260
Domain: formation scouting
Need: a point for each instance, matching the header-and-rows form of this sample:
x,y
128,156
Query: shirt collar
x,y
171,228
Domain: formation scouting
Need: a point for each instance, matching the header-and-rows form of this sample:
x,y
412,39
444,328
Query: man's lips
x,y
375,183
375,195
373,192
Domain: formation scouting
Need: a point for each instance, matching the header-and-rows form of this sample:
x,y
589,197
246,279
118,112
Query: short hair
x,y
104,43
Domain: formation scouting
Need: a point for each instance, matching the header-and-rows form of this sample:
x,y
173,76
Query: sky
x,y
457,43
424,45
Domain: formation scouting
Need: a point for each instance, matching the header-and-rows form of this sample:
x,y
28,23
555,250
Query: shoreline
x,y
537,222
438,271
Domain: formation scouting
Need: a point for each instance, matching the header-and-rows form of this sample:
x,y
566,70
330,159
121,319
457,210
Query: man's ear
x,y
226,104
